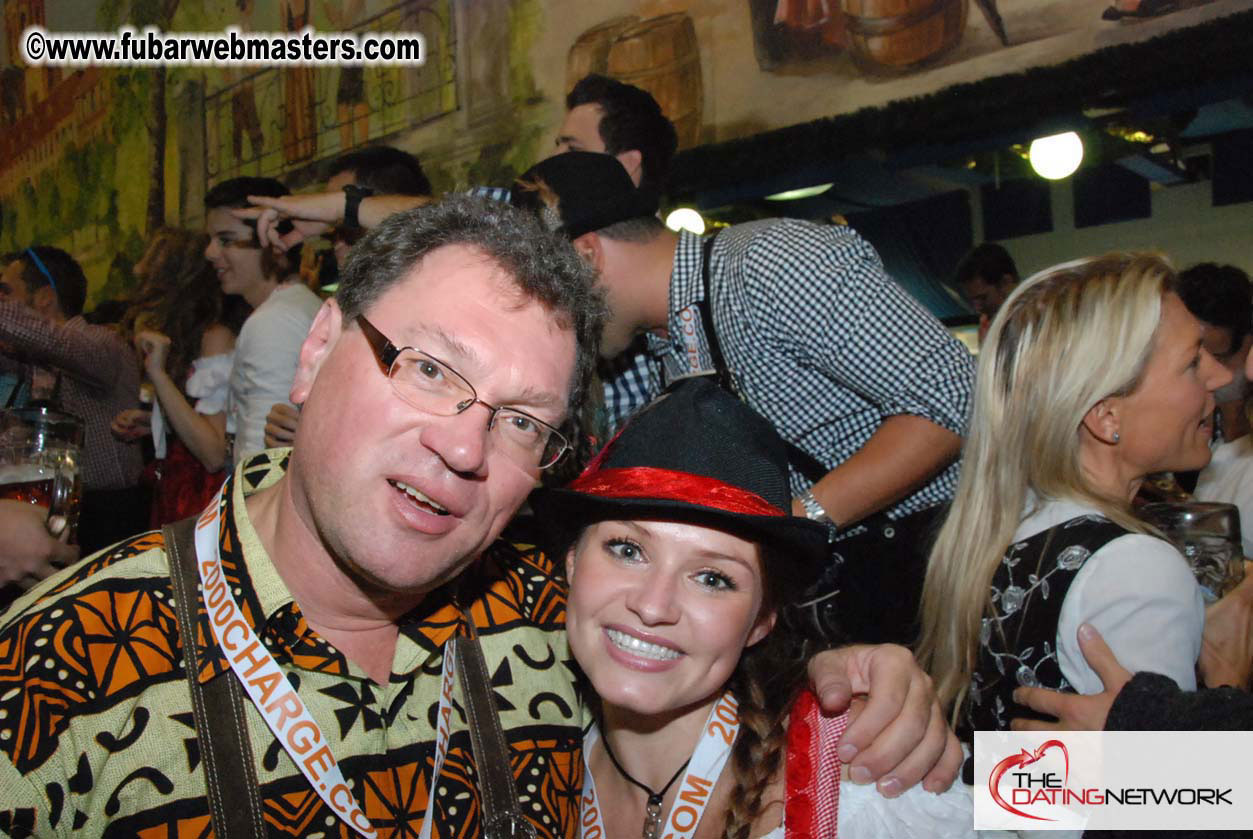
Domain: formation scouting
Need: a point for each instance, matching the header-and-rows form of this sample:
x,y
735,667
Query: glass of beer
x,y
39,460
1208,535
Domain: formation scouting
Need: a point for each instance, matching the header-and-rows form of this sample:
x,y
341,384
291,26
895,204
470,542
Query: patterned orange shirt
x,y
96,727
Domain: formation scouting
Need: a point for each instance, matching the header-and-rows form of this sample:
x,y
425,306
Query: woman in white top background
x,y
1093,377
180,306
268,345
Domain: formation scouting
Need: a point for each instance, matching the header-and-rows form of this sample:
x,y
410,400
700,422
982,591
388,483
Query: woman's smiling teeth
x,y
644,649
418,497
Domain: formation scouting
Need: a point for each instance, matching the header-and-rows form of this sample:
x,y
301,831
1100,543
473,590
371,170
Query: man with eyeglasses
x,y
435,384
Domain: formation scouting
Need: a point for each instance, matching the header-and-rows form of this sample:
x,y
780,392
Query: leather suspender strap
x,y
801,460
705,304
218,707
502,814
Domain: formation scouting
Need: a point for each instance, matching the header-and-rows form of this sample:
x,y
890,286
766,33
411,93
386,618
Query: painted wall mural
x,y
886,37
93,159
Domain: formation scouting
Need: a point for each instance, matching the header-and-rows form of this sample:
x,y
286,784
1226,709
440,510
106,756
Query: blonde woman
x,y
1092,377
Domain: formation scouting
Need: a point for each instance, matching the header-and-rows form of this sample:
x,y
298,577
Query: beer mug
x,y
39,462
1208,536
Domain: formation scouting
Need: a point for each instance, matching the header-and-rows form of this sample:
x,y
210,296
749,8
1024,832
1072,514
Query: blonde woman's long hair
x,y
1064,340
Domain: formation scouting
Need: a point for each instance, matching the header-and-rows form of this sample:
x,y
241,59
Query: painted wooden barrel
x,y
661,55
893,35
591,50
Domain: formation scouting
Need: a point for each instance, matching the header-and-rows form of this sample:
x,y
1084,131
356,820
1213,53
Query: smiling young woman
x,y
683,559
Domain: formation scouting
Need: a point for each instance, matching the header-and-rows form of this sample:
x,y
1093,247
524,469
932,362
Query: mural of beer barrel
x,y
661,55
893,35
591,51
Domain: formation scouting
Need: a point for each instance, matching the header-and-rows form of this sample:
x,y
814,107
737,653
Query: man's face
x,y
580,131
985,297
233,251
342,241
13,287
618,278
402,499
1219,342
620,328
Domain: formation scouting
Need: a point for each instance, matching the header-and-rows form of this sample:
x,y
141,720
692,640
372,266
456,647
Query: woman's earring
x,y
1116,437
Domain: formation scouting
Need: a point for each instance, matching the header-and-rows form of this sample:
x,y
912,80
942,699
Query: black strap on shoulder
x,y
502,813
221,723
705,306
800,460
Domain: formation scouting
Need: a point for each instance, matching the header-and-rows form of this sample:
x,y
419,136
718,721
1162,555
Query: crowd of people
x,y
749,543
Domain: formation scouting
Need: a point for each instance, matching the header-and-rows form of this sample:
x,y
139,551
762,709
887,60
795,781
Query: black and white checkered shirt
x,y
818,338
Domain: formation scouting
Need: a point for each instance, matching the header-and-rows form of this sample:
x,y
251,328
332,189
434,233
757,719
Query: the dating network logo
x,y
1035,787
1117,780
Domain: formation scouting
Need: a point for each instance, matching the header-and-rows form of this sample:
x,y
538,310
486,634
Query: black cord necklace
x,y
652,813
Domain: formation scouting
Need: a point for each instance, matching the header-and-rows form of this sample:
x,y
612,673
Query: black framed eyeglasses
x,y
431,385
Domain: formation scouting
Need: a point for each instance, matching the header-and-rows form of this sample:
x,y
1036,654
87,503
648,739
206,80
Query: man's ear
x,y
1103,420
633,161
592,249
45,302
323,335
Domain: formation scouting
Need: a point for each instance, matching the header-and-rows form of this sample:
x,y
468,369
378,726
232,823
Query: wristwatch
x,y
352,203
813,510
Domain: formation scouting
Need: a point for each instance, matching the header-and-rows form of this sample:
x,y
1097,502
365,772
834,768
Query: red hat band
x,y
647,483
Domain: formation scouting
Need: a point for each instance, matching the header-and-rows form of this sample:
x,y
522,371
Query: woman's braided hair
x,y
765,683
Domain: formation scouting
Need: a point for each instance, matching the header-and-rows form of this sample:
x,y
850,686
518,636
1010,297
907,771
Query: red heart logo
x,y
1024,758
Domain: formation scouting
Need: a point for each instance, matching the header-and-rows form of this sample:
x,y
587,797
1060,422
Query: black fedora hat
x,y
696,455
580,192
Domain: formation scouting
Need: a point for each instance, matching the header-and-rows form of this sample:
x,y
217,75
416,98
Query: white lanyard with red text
x,y
266,685
690,323
708,761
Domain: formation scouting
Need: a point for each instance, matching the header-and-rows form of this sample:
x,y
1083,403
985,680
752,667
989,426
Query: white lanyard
x,y
689,326
698,782
267,686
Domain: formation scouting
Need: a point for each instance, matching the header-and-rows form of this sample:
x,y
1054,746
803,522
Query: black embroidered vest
x,y
1017,644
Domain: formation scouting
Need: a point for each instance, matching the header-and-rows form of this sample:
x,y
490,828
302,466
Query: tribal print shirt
x,y
96,725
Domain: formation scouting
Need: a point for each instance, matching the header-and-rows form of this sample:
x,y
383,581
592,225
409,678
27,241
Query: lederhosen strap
x,y
221,725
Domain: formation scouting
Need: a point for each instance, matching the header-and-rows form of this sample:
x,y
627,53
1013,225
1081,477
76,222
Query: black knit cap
x,y
592,191
696,455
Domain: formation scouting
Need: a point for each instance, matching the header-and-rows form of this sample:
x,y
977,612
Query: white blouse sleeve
x,y
209,382
916,812
1139,593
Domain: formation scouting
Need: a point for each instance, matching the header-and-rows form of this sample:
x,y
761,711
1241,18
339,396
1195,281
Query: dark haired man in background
x,y
986,276
376,170
1221,297
87,371
608,116
603,115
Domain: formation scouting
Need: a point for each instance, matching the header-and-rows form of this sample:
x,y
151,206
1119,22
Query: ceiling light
x,y
1057,156
685,218
803,192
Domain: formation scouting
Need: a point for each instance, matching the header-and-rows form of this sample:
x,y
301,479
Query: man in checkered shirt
x,y
870,391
